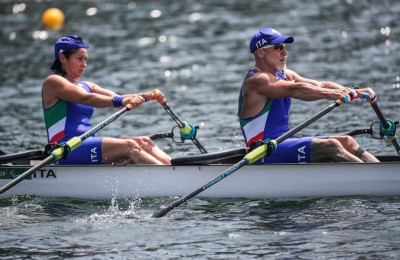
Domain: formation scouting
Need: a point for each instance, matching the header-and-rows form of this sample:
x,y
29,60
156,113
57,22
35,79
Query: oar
x,y
6,158
387,127
187,131
250,158
58,153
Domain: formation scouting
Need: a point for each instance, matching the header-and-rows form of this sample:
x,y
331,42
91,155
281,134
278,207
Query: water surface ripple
x,y
196,53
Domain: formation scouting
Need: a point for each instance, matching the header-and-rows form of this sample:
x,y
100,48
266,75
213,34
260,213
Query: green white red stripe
x,y
55,120
253,128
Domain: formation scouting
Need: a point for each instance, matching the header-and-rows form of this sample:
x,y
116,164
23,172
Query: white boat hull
x,y
252,181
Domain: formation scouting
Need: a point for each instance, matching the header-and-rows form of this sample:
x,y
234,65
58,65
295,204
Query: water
x,y
196,53
349,228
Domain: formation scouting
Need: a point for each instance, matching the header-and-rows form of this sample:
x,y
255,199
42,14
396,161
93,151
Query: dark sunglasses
x,y
276,47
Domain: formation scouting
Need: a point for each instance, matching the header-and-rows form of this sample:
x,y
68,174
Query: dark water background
x,y
196,53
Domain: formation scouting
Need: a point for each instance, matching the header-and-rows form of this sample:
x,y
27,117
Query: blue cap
x,y
268,36
67,43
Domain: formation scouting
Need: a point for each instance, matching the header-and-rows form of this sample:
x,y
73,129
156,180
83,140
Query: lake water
x,y
196,52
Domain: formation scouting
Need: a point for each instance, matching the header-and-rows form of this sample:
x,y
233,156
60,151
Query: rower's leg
x,y
323,150
151,148
351,145
124,151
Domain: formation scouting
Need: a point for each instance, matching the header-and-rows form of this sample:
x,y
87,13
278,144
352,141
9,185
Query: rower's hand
x,y
346,95
134,99
157,95
367,93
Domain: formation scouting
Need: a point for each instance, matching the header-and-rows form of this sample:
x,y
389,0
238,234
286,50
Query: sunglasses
x,y
276,47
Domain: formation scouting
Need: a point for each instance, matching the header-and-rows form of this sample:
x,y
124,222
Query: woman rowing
x,y
68,104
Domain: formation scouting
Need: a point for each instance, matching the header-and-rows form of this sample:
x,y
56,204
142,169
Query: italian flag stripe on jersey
x,y
55,119
253,128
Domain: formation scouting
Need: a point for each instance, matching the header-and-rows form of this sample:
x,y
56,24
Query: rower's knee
x,y
331,144
144,141
347,140
349,143
133,146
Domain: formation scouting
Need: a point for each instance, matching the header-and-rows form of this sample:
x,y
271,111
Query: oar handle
x,y
156,95
345,99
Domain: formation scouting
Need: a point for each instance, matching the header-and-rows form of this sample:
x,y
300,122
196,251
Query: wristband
x,y
117,101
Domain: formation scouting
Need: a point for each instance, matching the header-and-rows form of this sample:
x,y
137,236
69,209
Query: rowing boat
x,y
187,173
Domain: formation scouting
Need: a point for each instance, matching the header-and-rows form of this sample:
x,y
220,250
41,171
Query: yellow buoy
x,y
53,19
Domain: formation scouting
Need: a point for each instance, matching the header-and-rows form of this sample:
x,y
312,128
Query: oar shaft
x,y
248,159
181,124
199,146
181,200
173,115
102,124
307,122
380,115
386,125
75,142
15,181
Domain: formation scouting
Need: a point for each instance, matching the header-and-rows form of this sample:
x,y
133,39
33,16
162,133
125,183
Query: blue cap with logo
x,y
67,43
268,36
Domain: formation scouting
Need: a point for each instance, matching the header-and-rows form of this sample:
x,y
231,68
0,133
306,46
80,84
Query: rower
x,y
264,105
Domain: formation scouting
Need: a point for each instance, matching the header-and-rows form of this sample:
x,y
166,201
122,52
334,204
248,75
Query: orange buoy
x,y
53,19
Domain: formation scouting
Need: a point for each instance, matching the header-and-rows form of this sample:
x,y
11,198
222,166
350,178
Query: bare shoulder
x,y
50,87
52,79
257,80
262,77
54,82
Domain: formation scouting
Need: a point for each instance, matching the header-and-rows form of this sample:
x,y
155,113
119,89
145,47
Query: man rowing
x,y
264,104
